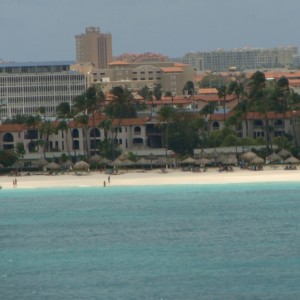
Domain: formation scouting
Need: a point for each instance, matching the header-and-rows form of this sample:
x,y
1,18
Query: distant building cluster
x,y
242,59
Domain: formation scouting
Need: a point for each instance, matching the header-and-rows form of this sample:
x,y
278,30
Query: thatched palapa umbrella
x,y
117,162
284,153
229,159
67,164
248,156
257,161
81,165
42,162
53,166
127,163
203,161
161,161
95,159
188,160
274,157
292,160
143,162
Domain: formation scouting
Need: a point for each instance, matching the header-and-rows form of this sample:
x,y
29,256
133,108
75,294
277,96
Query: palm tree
x,y
166,115
64,127
222,94
64,112
208,109
120,108
84,120
282,90
95,99
46,130
107,127
32,122
157,92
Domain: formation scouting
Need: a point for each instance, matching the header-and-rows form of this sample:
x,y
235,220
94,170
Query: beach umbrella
x,y
248,156
95,159
161,161
42,162
188,160
229,160
53,166
17,165
81,165
292,160
151,157
274,157
257,161
284,153
203,161
117,162
143,161
127,163
213,154
123,156
67,164
105,161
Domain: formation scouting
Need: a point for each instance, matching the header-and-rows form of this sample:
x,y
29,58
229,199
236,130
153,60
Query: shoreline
x,y
152,178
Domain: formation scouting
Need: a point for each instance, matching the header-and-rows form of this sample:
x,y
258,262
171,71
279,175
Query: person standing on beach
x,y
108,179
104,183
15,182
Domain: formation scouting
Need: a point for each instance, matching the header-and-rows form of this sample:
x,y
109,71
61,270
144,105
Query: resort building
x,y
137,135
134,76
241,59
94,47
26,87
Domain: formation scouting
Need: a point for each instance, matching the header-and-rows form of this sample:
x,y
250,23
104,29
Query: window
x,y
278,123
216,125
137,130
138,141
75,133
258,123
95,132
75,145
8,137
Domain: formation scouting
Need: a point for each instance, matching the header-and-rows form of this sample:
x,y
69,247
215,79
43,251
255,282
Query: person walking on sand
x,y
108,179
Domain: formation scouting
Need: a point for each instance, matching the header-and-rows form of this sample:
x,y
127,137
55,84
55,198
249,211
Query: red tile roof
x,y
12,127
208,91
118,62
172,70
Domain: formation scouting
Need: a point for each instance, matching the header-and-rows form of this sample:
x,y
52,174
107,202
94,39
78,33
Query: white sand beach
x,y
153,177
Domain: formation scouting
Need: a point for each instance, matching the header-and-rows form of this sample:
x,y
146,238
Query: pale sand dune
x,y
154,177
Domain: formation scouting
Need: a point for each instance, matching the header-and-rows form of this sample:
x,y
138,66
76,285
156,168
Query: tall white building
x,y
25,87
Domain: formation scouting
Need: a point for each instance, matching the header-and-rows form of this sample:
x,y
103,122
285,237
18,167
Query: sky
x,y
44,30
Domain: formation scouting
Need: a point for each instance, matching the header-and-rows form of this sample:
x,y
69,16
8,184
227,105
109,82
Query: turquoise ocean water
x,y
171,242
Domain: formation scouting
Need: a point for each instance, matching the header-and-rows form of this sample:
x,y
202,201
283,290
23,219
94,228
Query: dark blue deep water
x,y
171,242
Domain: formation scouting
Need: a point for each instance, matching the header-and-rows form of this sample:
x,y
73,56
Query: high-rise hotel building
x,y
26,87
94,47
